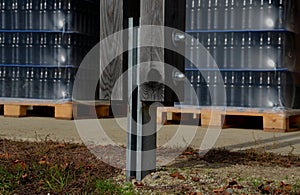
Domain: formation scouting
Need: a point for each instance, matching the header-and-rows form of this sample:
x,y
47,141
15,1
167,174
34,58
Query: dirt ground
x,y
240,171
49,168
218,172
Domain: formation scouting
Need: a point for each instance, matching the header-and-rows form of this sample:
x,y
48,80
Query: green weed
x,y
109,187
256,182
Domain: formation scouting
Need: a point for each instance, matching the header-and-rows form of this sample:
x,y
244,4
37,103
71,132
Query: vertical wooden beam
x,y
175,20
152,13
111,21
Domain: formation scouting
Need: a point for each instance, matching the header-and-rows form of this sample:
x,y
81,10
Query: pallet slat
x,y
268,120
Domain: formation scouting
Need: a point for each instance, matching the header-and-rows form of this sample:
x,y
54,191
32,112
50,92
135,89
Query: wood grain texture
x,y
152,58
111,21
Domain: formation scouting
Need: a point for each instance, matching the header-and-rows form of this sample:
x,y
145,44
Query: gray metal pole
x,y
141,135
132,99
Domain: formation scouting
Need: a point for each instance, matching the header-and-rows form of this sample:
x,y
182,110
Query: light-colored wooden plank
x,y
244,113
111,21
15,110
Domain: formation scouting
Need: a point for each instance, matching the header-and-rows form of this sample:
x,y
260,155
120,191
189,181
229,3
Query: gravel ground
x,y
218,172
249,173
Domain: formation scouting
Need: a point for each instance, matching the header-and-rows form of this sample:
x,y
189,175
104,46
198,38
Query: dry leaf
x,y
181,177
58,146
20,163
188,153
288,165
176,174
220,190
288,187
41,183
266,190
195,179
5,156
44,162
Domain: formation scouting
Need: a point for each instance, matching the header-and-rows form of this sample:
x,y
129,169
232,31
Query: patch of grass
x,y
11,177
256,182
49,167
109,187
6,178
296,187
57,178
240,179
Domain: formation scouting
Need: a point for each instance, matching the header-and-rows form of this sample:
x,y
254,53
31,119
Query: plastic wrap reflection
x,y
42,43
253,43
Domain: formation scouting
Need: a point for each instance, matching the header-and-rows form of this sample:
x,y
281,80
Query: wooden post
x,y
152,13
111,21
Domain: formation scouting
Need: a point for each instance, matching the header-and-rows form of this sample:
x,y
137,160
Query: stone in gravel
x,y
229,190
155,176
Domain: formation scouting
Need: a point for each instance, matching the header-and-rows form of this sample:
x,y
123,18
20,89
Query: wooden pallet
x,y
267,119
65,110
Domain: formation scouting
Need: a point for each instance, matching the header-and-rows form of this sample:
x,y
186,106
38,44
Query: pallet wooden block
x,y
64,111
270,120
14,110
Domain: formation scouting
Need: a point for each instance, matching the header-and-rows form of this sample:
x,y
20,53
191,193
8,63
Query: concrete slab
x,y
114,131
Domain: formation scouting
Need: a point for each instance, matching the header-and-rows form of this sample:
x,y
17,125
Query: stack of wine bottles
x,y
42,43
241,14
243,53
